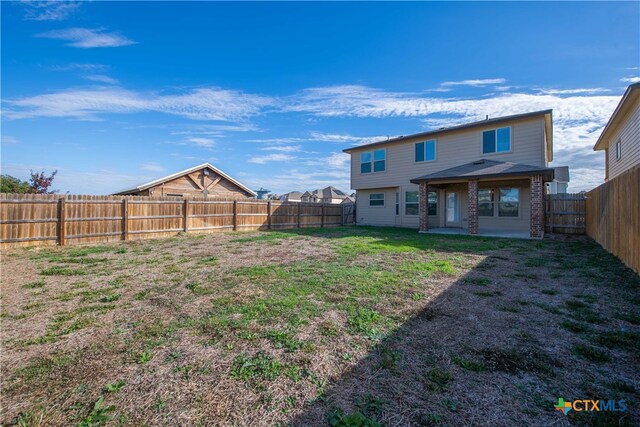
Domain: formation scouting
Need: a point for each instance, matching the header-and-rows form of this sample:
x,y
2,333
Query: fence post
x,y
269,215
125,219
322,215
299,209
185,214
235,215
61,220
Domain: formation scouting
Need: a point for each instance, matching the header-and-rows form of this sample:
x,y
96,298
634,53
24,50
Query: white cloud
x,y
151,167
94,68
271,158
201,142
282,148
8,139
345,138
49,10
101,78
87,37
573,91
197,104
476,82
631,79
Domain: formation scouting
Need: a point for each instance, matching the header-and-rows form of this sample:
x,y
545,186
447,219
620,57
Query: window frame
x,y
619,149
397,203
416,203
493,202
372,162
435,207
482,152
377,194
424,151
500,202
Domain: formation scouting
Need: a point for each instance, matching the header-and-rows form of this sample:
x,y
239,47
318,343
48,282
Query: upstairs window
x,y
496,141
365,162
618,150
373,161
426,151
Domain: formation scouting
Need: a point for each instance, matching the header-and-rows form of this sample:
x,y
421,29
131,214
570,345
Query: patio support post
x,y
537,207
423,209
473,206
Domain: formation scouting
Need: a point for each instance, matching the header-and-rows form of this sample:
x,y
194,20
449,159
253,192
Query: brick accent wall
x,y
423,207
537,207
473,207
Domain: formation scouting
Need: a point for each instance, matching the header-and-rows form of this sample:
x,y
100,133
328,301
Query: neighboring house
x,y
560,182
485,177
203,180
349,199
294,196
325,195
620,138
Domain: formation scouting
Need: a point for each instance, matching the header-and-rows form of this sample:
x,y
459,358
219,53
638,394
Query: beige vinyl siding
x,y
413,221
521,223
628,134
376,215
454,149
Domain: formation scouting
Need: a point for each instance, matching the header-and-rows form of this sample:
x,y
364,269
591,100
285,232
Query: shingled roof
x,y
484,168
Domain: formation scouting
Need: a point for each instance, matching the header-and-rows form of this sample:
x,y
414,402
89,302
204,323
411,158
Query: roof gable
x,y
171,177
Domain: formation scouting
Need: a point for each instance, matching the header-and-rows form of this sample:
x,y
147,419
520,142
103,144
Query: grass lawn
x,y
343,327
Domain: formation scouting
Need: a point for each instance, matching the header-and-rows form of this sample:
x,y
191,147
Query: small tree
x,y
41,183
11,184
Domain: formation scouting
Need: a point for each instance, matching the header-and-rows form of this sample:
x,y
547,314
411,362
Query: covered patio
x,y
487,198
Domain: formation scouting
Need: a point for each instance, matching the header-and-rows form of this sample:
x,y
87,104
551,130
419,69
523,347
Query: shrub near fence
x,y
33,219
613,216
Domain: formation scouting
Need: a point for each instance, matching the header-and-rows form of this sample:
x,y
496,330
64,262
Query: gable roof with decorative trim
x,y
185,172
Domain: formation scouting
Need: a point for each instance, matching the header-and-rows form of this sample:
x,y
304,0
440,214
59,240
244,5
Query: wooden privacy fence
x,y
565,213
31,219
613,216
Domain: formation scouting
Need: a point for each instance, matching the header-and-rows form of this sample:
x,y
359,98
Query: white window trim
x,y
435,151
482,153
373,161
384,200
619,149
413,203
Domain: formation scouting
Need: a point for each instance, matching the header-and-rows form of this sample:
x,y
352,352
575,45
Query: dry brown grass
x,y
299,327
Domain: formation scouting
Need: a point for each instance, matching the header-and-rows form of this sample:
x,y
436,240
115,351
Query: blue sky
x,y
113,94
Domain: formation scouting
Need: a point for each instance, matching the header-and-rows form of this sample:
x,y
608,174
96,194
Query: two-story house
x,y
620,138
484,177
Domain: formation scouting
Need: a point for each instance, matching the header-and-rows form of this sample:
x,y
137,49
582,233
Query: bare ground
x,y
351,326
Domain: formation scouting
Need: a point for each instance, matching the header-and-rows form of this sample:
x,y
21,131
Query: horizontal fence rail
x,y
613,216
35,219
565,213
